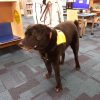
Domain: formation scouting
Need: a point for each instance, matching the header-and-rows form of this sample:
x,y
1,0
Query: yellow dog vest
x,y
60,37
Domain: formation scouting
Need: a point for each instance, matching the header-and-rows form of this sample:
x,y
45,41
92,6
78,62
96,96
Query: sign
x,y
16,17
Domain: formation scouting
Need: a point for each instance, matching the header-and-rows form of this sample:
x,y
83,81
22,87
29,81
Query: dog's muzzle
x,y
21,45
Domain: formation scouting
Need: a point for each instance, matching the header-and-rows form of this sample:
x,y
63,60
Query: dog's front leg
x,y
49,69
57,76
47,62
62,58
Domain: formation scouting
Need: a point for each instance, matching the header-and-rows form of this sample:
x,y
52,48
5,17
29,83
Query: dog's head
x,y
37,37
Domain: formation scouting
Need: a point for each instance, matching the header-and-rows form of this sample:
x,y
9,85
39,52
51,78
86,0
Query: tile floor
x,y
21,73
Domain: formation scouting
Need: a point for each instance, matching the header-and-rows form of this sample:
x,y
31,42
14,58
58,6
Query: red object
x,y
96,1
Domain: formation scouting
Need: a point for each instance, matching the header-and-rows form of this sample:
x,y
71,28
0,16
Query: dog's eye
x,y
38,38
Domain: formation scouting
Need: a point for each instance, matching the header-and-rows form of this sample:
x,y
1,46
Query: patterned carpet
x,y
21,73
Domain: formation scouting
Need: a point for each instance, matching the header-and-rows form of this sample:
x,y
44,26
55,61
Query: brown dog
x,y
44,39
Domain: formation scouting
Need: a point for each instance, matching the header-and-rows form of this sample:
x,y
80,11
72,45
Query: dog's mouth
x,y
27,48
38,47
21,45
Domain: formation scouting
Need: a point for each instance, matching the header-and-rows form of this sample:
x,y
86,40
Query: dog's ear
x,y
29,30
29,26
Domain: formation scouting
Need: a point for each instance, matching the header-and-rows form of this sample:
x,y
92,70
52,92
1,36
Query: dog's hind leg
x,y
62,49
75,48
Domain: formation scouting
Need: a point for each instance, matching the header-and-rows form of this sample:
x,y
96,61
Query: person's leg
x,y
36,12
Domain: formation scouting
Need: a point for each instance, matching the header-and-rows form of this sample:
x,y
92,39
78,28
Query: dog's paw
x,y
61,62
47,75
77,68
58,89
80,36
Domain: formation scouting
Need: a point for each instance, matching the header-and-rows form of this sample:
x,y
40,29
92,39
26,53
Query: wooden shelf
x,y
29,3
8,0
11,13
10,43
28,8
29,15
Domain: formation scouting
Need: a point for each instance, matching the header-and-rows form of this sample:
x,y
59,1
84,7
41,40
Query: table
x,y
97,11
85,16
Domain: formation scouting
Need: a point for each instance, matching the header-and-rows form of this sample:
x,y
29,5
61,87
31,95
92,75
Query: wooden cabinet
x,y
10,18
96,1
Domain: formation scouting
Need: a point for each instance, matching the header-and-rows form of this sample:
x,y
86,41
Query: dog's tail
x,y
76,23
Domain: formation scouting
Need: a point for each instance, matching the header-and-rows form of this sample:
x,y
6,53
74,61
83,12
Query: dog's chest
x,y
49,56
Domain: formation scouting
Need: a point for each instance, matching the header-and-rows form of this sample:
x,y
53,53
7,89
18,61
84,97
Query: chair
x,y
72,15
82,25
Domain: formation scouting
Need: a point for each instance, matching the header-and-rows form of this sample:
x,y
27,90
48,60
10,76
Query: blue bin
x,y
5,32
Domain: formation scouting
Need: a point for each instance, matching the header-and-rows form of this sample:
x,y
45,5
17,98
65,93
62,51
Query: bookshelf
x,y
28,8
11,28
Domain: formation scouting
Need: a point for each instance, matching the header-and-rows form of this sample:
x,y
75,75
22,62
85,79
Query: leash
x,y
46,10
58,12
